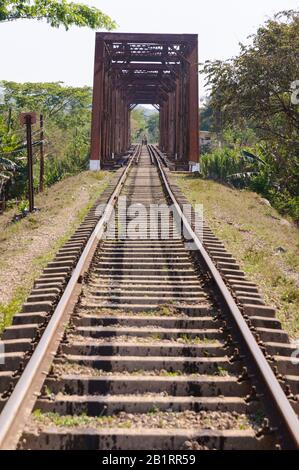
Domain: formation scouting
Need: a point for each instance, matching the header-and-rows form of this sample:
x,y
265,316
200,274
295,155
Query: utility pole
x,y
29,119
42,161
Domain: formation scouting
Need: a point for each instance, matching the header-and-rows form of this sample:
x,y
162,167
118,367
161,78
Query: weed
x,y
78,420
221,371
153,410
257,417
155,337
169,373
163,310
7,311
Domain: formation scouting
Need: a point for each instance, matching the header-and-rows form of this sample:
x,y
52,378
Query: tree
x,y
138,123
56,13
152,127
8,167
205,117
144,121
66,111
255,90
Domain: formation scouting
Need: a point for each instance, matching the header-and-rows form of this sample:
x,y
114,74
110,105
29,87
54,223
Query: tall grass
x,y
226,165
221,163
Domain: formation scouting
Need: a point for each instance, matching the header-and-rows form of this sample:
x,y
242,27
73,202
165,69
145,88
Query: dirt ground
x,y
265,243
27,245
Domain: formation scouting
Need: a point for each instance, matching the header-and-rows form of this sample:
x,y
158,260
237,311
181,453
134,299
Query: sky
x,y
33,51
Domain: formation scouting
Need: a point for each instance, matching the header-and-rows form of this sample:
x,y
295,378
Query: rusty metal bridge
x,y
156,69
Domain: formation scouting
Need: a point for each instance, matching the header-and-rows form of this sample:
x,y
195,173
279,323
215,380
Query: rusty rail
x,y
283,409
20,403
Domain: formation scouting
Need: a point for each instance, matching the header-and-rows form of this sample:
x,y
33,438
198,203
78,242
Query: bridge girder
x,y
158,69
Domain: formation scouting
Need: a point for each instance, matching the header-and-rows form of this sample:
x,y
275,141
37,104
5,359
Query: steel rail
x,y
20,403
22,399
283,407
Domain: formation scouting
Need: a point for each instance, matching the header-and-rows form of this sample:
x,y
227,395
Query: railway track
x,y
146,348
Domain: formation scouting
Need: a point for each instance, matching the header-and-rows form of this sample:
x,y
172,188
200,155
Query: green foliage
x,y
226,163
152,126
144,122
138,123
66,113
57,169
50,98
285,203
206,117
221,163
229,166
261,183
252,93
23,205
8,167
56,13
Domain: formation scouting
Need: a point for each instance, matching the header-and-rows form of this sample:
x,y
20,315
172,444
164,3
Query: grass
x,y
196,340
8,310
165,311
81,420
154,312
258,417
51,201
154,409
55,198
169,373
47,392
221,371
265,245
161,420
155,337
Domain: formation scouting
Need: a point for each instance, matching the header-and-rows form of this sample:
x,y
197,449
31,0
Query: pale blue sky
x,y
33,51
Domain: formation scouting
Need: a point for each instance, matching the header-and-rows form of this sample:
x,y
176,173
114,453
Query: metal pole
x,y
29,163
42,161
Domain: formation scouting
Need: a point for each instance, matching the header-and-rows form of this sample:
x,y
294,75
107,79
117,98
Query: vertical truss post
x,y
97,105
113,118
182,119
177,119
193,132
104,123
172,124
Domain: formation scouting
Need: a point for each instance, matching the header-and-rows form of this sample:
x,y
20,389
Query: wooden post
x,y
29,119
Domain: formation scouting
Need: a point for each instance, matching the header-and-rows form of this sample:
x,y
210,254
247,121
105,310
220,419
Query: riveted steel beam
x,y
159,69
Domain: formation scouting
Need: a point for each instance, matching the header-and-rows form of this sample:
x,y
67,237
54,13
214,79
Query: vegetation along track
x,y
140,343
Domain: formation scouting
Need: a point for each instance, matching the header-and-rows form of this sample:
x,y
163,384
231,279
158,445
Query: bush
x,y
57,169
285,203
261,183
221,163
226,165
66,112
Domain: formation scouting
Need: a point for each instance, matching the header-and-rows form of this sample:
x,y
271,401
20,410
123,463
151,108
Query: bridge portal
x,y
157,69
